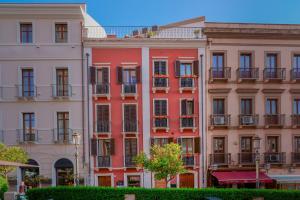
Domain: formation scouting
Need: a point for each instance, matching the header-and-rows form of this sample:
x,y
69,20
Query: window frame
x,y
67,32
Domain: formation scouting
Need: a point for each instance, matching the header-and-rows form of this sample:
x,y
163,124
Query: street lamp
x,y
256,146
76,142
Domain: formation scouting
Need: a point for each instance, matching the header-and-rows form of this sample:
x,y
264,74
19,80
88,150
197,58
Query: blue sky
x,y
150,12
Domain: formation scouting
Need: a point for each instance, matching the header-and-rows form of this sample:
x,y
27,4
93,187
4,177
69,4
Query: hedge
x,y
3,186
97,193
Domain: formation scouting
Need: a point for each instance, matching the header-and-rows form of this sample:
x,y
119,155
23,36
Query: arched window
x,y
30,175
64,172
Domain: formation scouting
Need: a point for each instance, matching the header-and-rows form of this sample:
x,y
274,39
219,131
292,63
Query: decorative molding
x,y
295,91
272,91
246,90
219,90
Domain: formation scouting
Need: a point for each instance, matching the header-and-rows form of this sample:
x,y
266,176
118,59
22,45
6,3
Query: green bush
x,y
3,186
97,193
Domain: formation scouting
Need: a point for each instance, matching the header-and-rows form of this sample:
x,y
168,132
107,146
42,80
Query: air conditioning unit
x,y
247,120
274,158
219,120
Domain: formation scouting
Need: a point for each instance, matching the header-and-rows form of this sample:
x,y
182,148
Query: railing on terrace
x,y
142,32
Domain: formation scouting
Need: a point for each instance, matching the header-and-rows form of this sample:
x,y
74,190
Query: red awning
x,y
235,177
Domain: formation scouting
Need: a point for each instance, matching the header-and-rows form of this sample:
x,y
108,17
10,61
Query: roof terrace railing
x,y
142,32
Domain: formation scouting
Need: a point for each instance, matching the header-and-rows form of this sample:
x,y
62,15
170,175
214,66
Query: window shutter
x,y
138,74
196,67
183,107
94,147
197,145
177,68
92,75
105,77
170,140
120,74
112,146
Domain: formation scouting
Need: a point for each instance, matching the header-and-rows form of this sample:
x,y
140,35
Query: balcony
x,y
221,74
247,74
160,123
130,126
275,158
295,120
276,120
188,160
104,161
63,135
142,32
295,74
102,90
220,159
129,90
248,120
129,161
26,92
61,91
271,74
295,157
220,120
187,84
246,158
160,83
27,135
102,127
187,122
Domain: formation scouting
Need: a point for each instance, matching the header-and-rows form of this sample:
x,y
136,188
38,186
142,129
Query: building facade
x,y
41,82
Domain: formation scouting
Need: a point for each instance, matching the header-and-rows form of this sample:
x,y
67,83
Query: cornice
x,y
246,90
272,91
219,91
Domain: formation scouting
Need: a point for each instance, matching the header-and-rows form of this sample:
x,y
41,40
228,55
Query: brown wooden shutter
x,y
197,145
92,75
105,77
112,146
196,67
170,140
138,74
183,107
177,68
94,147
120,75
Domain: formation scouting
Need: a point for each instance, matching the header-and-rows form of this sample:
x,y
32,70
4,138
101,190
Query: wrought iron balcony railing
x,y
129,161
63,135
219,73
61,90
142,32
220,159
247,158
274,120
274,74
295,157
188,160
295,120
248,120
104,161
160,122
26,91
130,126
101,89
187,122
275,158
102,126
27,135
248,73
295,74
220,120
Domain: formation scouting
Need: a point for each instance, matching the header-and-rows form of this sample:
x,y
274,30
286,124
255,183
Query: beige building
x,y
41,75
253,73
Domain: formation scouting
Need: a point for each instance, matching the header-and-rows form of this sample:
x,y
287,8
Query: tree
x,y
165,162
13,154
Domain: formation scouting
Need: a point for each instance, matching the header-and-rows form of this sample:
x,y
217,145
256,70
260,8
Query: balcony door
x,y
27,87
28,127
246,155
102,80
273,144
130,151
218,150
62,82
245,65
160,111
104,152
160,73
63,127
187,113
296,107
103,118
246,107
271,65
218,106
297,145
296,66
218,65
130,118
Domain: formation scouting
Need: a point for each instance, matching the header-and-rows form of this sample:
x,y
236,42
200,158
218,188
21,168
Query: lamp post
x,y
256,146
76,142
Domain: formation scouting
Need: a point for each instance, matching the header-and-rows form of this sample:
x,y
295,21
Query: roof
x,y
185,22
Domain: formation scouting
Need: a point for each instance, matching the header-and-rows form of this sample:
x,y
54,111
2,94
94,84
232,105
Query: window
x,y
129,76
187,107
160,141
103,118
219,144
160,107
28,88
218,61
246,107
134,181
272,107
130,118
160,68
296,61
104,147
272,144
297,144
26,32
245,61
186,69
28,127
102,75
218,106
62,82
271,61
296,107
61,33
63,126
246,144
187,145
130,151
